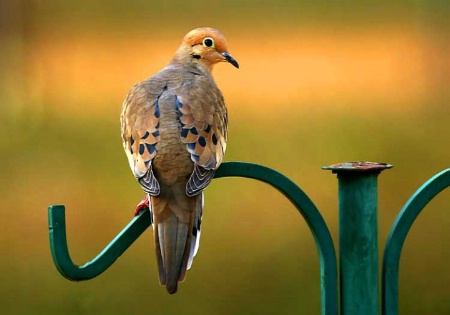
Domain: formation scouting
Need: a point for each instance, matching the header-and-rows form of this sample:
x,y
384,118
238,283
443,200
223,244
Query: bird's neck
x,y
184,59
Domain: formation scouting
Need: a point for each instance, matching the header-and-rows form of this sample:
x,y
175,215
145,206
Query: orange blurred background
x,y
319,83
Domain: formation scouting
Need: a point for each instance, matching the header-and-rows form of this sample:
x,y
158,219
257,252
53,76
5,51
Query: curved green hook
x,y
312,216
60,252
324,242
397,236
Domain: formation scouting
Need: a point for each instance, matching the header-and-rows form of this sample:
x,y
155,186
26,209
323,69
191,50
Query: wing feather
x,y
140,132
203,118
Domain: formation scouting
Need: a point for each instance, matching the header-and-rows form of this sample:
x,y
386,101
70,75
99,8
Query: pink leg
x,y
142,205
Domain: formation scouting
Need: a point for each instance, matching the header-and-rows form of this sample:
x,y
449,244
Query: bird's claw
x,y
144,204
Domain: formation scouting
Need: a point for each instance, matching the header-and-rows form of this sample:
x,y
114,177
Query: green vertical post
x,y
358,236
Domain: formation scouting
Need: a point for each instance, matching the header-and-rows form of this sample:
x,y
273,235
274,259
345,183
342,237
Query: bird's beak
x,y
230,59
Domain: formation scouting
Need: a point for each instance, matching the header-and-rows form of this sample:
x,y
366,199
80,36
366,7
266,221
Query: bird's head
x,y
206,47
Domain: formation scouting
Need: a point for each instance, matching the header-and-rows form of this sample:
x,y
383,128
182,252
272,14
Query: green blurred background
x,y
320,82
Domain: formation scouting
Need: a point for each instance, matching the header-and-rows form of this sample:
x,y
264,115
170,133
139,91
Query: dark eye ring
x,y
208,42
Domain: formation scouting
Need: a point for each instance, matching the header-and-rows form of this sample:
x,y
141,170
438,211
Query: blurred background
x,y
320,83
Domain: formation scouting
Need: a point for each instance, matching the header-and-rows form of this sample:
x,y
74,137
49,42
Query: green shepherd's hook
x,y
358,235
328,265
60,252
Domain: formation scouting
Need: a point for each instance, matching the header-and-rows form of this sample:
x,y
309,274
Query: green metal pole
x,y
358,236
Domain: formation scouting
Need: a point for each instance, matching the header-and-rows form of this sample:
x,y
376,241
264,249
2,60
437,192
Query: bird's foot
x,y
144,204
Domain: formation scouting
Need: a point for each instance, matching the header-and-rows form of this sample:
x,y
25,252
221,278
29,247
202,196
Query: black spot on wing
x,y
145,136
141,148
157,111
214,139
150,148
202,141
184,132
179,114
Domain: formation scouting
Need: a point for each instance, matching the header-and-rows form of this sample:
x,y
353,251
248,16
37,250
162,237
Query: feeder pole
x,y
358,236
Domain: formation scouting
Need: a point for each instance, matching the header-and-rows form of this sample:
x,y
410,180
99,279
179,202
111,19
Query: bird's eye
x,y
208,42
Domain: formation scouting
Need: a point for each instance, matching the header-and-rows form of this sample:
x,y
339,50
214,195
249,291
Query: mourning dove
x,y
174,132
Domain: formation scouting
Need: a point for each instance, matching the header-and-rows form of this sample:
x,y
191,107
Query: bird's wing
x,y
140,131
203,117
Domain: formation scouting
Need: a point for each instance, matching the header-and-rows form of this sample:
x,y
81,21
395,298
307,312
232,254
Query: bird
x,y
174,133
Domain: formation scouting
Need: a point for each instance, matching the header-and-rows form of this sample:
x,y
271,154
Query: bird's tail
x,y
177,220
